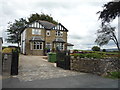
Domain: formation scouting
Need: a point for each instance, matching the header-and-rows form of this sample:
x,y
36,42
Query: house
x,y
1,41
41,35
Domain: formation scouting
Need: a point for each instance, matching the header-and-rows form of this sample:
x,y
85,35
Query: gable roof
x,y
46,24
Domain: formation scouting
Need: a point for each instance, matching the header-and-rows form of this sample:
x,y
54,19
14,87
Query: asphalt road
x,y
78,81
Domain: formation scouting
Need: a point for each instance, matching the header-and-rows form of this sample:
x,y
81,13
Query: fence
x,y
63,59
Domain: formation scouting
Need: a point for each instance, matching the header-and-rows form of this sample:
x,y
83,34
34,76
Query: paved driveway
x,y
36,72
35,67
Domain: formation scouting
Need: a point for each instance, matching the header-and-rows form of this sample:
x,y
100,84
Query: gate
x,y
63,59
14,63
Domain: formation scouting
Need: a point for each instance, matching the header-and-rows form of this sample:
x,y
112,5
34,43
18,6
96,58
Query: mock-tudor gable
x,y
47,25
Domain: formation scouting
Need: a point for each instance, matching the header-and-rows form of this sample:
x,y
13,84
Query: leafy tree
x,y
104,50
14,30
42,16
110,11
96,48
105,34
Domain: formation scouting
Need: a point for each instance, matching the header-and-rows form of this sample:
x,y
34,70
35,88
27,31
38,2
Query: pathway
x,y
35,67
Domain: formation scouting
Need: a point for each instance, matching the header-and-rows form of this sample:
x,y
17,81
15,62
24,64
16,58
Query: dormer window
x,y
48,33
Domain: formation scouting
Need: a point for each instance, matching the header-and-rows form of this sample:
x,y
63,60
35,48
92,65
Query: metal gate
x,y
63,59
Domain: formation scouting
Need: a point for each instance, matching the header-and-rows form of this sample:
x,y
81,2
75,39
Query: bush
x,y
9,50
82,55
96,48
93,55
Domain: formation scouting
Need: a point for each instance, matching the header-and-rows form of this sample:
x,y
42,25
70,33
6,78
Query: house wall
x,y
28,44
47,39
23,38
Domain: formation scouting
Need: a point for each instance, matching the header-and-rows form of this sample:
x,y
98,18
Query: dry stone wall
x,y
95,66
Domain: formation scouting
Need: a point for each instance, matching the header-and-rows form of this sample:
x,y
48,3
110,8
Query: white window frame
x,y
47,33
39,44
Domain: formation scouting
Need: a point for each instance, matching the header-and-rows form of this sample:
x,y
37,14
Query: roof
x,y
1,39
69,44
59,40
46,24
36,38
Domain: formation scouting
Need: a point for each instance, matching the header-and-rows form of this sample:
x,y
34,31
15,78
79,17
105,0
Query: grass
x,y
113,75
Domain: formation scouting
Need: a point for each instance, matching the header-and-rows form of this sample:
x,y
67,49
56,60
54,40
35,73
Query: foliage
x,y
14,30
93,55
45,17
75,51
110,11
105,34
104,50
96,48
113,75
8,50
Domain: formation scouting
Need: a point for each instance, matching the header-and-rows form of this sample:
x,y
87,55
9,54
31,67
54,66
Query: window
x,y
59,33
60,46
48,33
48,45
37,45
36,31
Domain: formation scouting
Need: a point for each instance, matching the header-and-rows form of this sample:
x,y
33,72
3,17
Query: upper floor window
x,y
48,33
59,33
36,31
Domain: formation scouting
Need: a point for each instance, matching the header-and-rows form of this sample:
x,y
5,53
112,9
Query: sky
x,y
78,16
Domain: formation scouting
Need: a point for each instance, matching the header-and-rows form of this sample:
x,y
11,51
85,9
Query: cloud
x,y
78,16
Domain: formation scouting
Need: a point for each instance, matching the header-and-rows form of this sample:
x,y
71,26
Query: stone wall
x,y
95,66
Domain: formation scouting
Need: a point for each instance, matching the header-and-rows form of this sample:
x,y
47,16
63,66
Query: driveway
x,y
35,67
36,72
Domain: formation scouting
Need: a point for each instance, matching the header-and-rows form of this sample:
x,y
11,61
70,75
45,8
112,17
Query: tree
x,y
42,16
14,30
110,11
96,48
104,50
105,34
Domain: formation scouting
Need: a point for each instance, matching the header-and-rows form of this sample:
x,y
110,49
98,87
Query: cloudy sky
x,y
78,16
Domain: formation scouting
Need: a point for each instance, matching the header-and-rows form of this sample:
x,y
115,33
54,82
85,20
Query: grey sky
x,y
78,16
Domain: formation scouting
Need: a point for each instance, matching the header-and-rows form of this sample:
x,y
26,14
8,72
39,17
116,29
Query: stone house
x,y
40,36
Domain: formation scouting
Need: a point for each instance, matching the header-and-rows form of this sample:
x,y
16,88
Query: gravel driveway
x,y
36,68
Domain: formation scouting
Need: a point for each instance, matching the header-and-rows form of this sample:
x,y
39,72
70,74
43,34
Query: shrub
x,y
96,48
8,50
104,50
93,55
75,51
82,55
